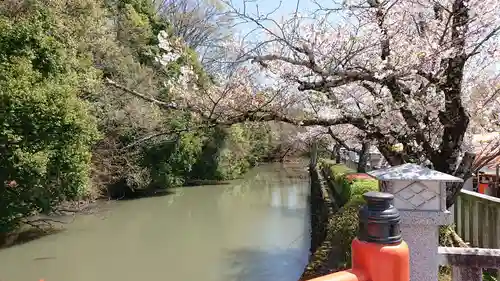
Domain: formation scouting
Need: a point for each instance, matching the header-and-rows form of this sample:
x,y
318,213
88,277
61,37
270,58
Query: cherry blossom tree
x,y
401,71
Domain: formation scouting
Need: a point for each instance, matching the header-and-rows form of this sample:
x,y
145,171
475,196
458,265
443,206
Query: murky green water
x,y
253,229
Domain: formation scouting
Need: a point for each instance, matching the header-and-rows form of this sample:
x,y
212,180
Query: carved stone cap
x,y
411,172
415,187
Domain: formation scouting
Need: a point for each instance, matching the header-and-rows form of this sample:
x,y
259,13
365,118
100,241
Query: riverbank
x,y
40,226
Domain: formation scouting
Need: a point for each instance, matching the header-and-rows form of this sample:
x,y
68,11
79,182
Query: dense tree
x,y
46,132
70,132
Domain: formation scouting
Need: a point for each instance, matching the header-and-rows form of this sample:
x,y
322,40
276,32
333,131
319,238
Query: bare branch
x,y
161,104
341,142
484,40
171,132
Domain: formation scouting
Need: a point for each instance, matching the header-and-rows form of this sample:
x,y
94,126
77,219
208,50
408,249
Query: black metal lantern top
x,y
379,220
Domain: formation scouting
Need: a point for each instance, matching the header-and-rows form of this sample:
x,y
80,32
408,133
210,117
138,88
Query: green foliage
x,y
335,176
171,161
46,133
358,187
489,276
246,145
343,227
337,171
230,152
260,142
56,106
43,51
349,188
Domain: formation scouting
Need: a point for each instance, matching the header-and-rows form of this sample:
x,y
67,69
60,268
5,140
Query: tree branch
x,y
341,142
255,115
343,78
485,39
176,132
161,104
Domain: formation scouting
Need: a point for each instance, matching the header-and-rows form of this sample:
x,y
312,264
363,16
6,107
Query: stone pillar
x,y
420,197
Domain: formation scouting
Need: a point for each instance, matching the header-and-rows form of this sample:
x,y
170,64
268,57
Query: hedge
x,y
345,182
343,226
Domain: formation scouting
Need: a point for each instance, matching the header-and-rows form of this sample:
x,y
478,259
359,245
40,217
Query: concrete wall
x,y
322,209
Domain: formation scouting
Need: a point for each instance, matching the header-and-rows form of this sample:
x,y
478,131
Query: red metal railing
x,y
379,254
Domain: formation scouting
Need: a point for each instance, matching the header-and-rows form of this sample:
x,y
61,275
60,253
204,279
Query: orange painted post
x,y
346,275
379,253
482,188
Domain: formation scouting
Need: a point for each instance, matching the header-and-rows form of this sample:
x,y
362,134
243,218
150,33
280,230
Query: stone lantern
x,y
420,196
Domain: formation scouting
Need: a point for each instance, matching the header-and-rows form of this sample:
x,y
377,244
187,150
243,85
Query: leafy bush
x,y
170,161
358,187
336,170
230,152
45,133
334,174
343,226
340,170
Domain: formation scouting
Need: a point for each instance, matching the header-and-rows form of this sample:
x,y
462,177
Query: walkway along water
x,y
256,228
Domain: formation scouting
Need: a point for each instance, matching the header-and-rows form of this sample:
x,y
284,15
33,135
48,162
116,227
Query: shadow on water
x,y
8,240
270,265
194,183
29,233
140,194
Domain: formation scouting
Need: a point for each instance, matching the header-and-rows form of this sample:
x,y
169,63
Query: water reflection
x,y
254,229
276,197
264,265
293,202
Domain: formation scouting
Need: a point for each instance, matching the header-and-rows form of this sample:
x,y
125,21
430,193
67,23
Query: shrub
x,y
336,171
230,152
169,161
334,174
45,139
343,226
358,187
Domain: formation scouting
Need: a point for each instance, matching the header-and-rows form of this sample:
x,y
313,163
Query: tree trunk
x,y
336,153
464,172
364,156
314,154
392,157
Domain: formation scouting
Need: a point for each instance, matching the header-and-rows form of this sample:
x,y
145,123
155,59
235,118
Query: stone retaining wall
x,y
322,210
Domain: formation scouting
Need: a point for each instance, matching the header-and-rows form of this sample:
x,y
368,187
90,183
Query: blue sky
x,y
287,6
285,9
